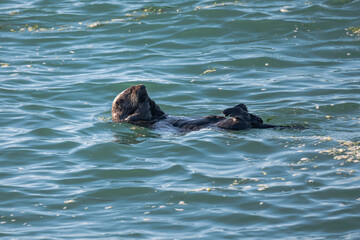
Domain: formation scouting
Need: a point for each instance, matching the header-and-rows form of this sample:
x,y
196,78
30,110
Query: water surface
x,y
68,172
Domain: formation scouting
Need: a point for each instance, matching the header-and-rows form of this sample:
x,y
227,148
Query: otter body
x,y
134,106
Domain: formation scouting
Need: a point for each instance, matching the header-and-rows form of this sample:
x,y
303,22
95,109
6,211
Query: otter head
x,y
239,118
134,105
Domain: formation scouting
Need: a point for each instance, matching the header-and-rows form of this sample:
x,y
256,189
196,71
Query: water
x,y
68,172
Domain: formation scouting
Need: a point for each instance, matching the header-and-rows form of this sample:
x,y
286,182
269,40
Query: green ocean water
x,y
68,172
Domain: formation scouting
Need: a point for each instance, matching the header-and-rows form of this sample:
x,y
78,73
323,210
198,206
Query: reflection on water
x,y
133,134
128,139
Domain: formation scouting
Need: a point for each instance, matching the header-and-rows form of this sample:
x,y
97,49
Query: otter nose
x,y
141,88
139,93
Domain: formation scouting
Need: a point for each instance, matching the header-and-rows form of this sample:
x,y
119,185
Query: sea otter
x,y
134,106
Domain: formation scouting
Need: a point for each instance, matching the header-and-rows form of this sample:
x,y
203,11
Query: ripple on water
x,y
65,166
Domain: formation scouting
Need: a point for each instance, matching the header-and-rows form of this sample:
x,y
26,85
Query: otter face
x,y
134,104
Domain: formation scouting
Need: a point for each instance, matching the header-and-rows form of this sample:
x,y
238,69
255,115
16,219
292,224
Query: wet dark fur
x,y
134,106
